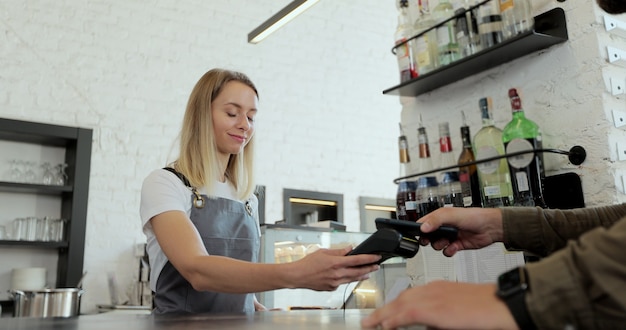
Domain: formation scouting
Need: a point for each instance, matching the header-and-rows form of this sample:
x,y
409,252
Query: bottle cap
x,y
449,177
427,181
485,104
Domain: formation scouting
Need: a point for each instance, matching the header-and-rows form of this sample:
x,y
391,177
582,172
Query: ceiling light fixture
x,y
275,22
312,201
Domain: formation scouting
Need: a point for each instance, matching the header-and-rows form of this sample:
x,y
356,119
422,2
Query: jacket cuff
x,y
522,228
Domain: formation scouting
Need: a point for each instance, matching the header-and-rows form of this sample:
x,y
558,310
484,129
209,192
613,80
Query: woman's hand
x,y
478,227
444,305
326,269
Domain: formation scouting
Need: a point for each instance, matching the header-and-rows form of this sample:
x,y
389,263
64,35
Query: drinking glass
x,y
61,177
57,230
19,229
48,173
43,230
15,174
29,172
31,229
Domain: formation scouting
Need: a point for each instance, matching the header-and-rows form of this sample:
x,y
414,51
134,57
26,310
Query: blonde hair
x,y
198,150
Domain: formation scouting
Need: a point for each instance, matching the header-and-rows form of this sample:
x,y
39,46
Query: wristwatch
x,y
512,288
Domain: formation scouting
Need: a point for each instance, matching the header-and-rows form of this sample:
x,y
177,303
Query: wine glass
x,y
48,174
29,172
61,177
15,174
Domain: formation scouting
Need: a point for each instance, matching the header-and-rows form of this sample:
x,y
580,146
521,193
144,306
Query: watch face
x,y
509,282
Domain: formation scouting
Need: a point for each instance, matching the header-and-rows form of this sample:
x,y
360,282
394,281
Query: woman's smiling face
x,y
234,110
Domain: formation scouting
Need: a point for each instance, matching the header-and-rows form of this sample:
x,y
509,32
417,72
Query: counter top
x,y
302,319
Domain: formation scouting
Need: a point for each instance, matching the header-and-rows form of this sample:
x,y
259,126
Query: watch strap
x,y
516,302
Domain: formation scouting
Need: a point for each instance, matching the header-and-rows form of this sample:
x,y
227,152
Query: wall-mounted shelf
x,y
34,244
29,188
550,29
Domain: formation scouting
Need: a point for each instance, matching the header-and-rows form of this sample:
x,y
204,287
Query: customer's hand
x,y
326,269
444,305
478,227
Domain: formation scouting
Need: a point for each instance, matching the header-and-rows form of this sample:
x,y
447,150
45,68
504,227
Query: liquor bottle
x,y
527,173
404,49
426,44
495,180
468,175
517,17
490,24
425,162
446,155
427,186
449,184
467,30
406,203
427,195
447,46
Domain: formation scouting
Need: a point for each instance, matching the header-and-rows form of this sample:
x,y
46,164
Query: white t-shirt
x,y
163,191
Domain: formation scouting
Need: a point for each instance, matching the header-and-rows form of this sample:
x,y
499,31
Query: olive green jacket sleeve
x,y
583,280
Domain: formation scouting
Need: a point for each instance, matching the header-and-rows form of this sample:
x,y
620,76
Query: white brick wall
x,y
125,69
564,89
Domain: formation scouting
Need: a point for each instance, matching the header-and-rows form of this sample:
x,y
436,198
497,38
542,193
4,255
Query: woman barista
x,y
201,220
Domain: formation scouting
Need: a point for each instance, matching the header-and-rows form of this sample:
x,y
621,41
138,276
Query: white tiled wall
x,y
125,69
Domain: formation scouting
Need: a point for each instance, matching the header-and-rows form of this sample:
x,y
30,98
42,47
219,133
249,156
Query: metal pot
x,y
47,302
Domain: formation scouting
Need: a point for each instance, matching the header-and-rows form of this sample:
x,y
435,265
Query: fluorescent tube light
x,y
380,208
311,201
275,22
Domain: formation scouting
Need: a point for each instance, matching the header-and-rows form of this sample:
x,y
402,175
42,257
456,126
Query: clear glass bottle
x,y
490,24
467,35
427,185
495,180
404,50
527,172
468,175
450,190
447,46
517,17
406,202
427,195
425,45
449,184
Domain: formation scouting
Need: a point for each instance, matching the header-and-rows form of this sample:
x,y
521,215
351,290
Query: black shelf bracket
x,y
550,29
576,156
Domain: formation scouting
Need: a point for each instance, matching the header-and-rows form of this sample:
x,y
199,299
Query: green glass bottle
x,y
495,180
527,173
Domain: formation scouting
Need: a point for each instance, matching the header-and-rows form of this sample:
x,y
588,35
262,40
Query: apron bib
x,y
228,229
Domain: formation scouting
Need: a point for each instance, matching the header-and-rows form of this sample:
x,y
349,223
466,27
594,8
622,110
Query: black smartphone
x,y
412,229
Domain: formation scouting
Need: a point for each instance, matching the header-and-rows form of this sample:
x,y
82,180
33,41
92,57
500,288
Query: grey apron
x,y
228,229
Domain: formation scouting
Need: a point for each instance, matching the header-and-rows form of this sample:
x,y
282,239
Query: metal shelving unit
x,y
73,196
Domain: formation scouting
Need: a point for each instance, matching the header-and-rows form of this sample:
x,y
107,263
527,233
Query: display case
x,y
282,243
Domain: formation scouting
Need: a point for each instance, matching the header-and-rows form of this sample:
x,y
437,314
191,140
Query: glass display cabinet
x,y
283,243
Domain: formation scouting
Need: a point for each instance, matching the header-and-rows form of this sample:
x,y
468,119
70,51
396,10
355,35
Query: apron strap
x,y
179,175
198,201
